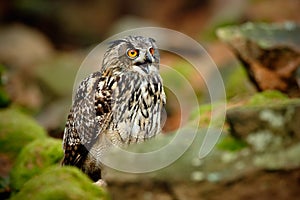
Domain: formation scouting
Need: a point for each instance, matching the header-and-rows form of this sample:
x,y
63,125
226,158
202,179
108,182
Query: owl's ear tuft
x,y
152,40
115,43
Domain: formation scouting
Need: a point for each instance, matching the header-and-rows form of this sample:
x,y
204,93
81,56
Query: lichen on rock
x,y
269,52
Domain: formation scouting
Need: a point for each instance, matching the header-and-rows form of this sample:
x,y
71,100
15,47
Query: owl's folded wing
x,y
83,127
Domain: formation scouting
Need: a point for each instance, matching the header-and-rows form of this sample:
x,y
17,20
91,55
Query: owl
x,y
120,104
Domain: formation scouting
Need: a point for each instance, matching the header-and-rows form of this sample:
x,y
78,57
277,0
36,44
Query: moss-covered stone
x,y
204,114
61,183
237,83
286,158
34,158
267,97
17,130
266,50
269,121
229,143
266,35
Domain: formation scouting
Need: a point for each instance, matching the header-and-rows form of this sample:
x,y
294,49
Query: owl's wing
x,y
83,125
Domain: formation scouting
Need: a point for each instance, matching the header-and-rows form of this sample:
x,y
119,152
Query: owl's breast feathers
x,y
125,106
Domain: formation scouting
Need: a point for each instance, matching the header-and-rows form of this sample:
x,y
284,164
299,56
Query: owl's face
x,y
133,53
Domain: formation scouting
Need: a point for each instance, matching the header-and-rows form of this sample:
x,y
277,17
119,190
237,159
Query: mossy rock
x,y
237,83
264,48
229,143
17,130
204,113
267,97
61,183
266,35
34,158
267,119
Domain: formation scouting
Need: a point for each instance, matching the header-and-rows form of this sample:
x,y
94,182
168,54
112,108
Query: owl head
x,y
132,53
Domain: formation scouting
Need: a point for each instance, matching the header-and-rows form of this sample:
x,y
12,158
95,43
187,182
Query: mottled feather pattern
x,y
119,105
135,108
81,127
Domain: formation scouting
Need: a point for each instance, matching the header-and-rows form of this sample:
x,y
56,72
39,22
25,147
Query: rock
x,y
269,52
22,47
231,144
287,158
237,83
61,183
266,123
24,91
17,130
58,74
267,98
34,159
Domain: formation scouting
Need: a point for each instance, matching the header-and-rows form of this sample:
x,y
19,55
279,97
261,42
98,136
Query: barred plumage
x,y
120,104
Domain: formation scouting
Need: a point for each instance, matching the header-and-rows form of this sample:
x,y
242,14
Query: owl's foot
x,y
101,183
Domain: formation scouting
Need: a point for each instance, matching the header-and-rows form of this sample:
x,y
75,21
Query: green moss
x,y
267,97
237,83
4,97
61,183
34,158
17,130
200,110
204,114
230,143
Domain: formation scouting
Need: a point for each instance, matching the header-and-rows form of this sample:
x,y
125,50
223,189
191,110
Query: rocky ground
x,y
283,184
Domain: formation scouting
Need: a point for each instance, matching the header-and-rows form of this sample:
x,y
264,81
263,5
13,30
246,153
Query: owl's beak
x,y
144,59
142,64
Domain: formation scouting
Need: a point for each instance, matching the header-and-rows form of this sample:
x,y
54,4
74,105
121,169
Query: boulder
x,y
269,52
61,183
34,159
17,130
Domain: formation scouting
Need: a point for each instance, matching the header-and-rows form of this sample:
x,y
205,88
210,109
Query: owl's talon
x,y
100,183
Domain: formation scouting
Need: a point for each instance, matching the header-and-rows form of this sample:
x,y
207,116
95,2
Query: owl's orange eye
x,y
132,53
151,50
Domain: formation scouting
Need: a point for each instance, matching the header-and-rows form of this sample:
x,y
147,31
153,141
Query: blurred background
x,y
43,43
